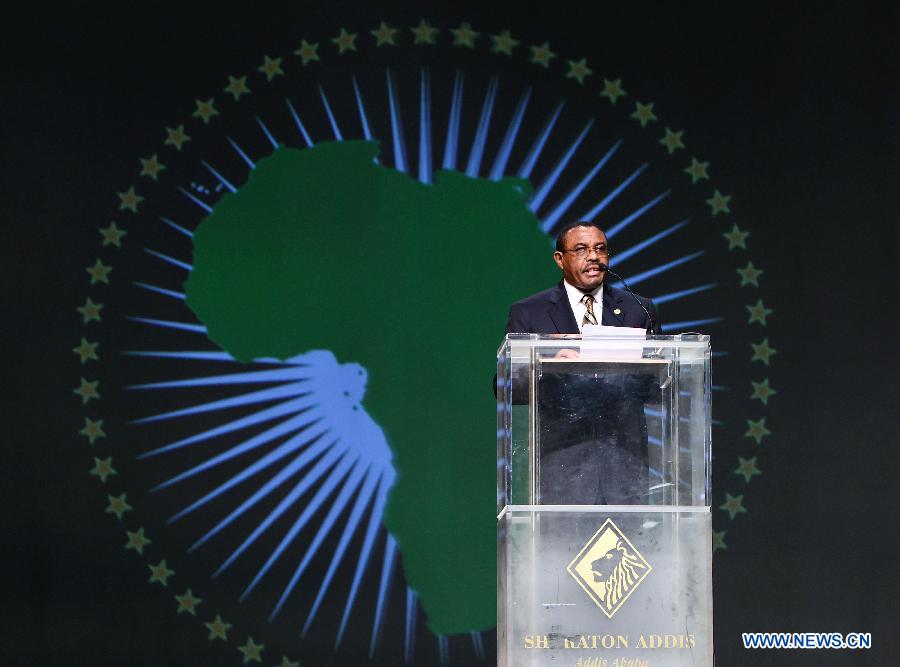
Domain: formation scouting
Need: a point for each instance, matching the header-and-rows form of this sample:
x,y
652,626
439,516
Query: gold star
x,y
176,137
218,629
762,391
151,167
90,311
464,36
187,603
672,140
287,663
129,200
750,275
762,352
160,572
578,70
613,90
103,468
92,429
424,33
86,351
719,540
271,67
307,51
88,390
542,55
252,651
736,238
205,110
112,235
757,430
118,506
384,35
643,113
734,505
345,41
697,170
719,203
237,86
747,468
758,313
99,272
504,43
137,540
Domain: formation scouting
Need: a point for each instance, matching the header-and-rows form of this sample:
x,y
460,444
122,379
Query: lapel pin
x,y
617,311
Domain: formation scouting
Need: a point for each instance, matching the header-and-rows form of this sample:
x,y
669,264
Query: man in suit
x,y
592,437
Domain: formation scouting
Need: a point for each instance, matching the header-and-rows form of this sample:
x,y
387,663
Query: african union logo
x,y
609,568
288,327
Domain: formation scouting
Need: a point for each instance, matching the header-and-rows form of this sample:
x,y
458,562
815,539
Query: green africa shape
x,y
322,248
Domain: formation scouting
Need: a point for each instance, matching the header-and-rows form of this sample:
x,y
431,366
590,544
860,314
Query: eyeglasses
x,y
583,251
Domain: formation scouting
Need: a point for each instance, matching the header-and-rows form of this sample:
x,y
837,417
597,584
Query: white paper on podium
x,y
595,343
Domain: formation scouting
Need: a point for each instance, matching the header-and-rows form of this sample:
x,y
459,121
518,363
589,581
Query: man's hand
x,y
567,353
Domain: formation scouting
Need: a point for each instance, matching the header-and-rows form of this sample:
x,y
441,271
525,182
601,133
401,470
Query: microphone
x,y
651,327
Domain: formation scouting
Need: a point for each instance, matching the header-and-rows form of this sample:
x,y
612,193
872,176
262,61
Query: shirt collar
x,y
575,294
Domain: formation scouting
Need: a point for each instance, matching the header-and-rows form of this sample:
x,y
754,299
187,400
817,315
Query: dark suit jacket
x,y
549,312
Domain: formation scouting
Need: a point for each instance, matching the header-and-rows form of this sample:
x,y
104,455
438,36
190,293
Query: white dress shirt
x,y
576,295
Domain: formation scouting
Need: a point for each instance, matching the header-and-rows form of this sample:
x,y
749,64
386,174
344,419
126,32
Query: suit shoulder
x,y
622,295
537,299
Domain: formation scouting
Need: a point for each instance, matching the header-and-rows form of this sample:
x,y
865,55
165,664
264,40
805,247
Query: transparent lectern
x,y
603,491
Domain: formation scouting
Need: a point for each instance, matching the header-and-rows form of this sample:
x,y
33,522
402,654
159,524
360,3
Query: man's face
x,y
582,272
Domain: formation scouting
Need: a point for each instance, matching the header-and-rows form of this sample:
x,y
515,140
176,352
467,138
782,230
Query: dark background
x,y
800,112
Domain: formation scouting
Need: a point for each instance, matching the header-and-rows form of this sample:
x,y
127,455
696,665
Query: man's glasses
x,y
583,251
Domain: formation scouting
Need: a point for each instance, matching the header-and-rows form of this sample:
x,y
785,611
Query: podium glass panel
x,y
604,532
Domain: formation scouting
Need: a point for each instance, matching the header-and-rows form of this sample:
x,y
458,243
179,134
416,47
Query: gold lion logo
x,y
609,568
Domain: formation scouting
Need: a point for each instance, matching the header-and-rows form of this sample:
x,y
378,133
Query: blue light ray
x,y
178,228
363,119
313,449
266,132
332,481
299,423
294,390
640,277
240,152
169,260
337,508
425,127
160,290
646,243
627,220
396,125
246,377
688,324
478,645
294,406
299,123
451,146
551,179
535,151
334,126
409,643
169,324
387,481
484,123
672,296
199,202
224,181
509,139
567,201
611,197
443,649
188,354
365,496
387,572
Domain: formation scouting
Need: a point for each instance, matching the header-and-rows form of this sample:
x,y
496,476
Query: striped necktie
x,y
589,317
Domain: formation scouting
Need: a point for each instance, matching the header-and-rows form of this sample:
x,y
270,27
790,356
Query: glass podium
x,y
603,490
